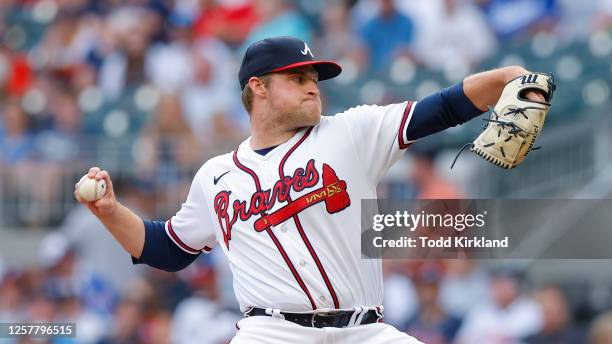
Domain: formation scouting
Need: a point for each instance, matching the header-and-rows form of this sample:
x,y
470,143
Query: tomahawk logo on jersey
x,y
289,221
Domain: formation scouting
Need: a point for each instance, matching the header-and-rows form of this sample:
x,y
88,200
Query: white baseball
x,y
91,189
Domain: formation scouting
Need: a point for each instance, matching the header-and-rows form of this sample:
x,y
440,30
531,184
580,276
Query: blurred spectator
x,y
225,133
464,286
67,43
278,18
123,52
203,308
168,151
15,72
515,19
46,140
431,324
426,178
140,316
91,327
228,20
57,145
603,16
59,142
128,316
170,66
16,139
11,298
509,318
26,297
400,300
17,159
557,325
578,19
40,308
160,328
387,36
338,42
212,91
425,14
66,277
458,37
601,329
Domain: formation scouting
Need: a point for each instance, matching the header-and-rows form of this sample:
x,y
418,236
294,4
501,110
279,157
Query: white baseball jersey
x,y
290,221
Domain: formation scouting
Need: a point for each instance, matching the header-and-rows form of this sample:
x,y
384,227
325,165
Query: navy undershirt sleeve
x,y
160,252
440,111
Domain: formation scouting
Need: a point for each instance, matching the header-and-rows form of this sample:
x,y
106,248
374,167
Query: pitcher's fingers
x,y
101,202
102,175
93,171
106,176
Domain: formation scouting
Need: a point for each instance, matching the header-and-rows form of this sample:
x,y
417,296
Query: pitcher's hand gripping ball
x,y
91,189
515,122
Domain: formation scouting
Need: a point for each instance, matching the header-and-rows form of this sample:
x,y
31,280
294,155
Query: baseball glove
x,y
515,122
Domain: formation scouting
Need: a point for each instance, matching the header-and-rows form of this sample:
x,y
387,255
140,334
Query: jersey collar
x,y
246,152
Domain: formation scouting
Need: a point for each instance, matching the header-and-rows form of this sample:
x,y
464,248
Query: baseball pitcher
x,y
284,206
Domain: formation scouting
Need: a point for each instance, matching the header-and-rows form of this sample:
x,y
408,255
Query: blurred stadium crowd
x,y
148,90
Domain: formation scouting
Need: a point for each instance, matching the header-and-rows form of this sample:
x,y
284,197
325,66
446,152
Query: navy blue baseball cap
x,y
276,54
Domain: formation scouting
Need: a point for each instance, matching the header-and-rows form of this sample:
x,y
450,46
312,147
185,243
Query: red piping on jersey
x,y
181,243
295,273
301,229
280,248
400,135
247,170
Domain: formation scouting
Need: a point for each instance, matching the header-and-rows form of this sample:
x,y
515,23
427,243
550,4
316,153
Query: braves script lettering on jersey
x,y
289,221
